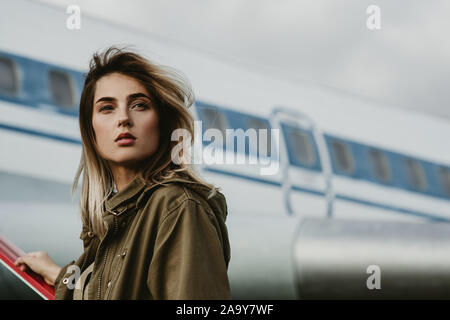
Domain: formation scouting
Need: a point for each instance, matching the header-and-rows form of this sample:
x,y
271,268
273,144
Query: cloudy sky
x,y
406,63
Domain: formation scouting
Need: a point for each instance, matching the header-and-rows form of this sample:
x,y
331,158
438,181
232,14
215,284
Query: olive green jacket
x,y
163,242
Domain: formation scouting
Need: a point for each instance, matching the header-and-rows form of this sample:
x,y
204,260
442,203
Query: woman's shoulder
x,y
171,195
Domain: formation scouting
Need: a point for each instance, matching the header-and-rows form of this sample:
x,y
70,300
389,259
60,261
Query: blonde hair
x,y
172,96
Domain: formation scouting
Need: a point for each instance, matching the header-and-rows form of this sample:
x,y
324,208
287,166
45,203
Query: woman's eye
x,y
140,105
105,108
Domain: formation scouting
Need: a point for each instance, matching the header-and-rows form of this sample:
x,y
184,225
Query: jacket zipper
x,y
104,262
101,275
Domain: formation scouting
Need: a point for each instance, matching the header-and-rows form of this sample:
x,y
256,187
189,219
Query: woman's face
x,y
123,105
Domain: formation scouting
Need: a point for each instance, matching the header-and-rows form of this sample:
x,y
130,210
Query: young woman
x,y
151,228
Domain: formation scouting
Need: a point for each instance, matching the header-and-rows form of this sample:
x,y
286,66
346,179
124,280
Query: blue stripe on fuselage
x,y
249,178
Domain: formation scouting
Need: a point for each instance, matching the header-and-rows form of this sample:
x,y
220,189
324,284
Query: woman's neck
x,y
122,176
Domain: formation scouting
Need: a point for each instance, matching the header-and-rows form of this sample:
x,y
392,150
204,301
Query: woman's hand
x,y
40,263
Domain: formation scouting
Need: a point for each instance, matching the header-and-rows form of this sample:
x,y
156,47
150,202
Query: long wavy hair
x,y
172,96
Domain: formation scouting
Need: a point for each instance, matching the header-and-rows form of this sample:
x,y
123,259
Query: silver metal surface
x,y
339,259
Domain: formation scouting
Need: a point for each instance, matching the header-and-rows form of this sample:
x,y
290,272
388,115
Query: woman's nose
x,y
123,118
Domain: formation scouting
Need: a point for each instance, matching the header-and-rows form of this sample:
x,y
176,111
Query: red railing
x,y
8,254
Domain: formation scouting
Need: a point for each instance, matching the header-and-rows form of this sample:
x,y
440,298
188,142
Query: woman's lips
x,y
125,141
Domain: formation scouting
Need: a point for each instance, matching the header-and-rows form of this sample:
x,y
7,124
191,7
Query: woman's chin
x,y
125,161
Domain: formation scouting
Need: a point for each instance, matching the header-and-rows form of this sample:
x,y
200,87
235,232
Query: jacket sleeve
x,y
188,260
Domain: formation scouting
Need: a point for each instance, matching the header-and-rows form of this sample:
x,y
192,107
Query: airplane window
x,y
444,174
257,124
380,165
342,156
8,76
415,174
213,119
61,89
301,146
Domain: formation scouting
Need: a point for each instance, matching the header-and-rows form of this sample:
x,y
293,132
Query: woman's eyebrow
x,y
106,99
130,98
133,96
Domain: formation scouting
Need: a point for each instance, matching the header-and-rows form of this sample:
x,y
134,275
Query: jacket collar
x,y
120,201
132,195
